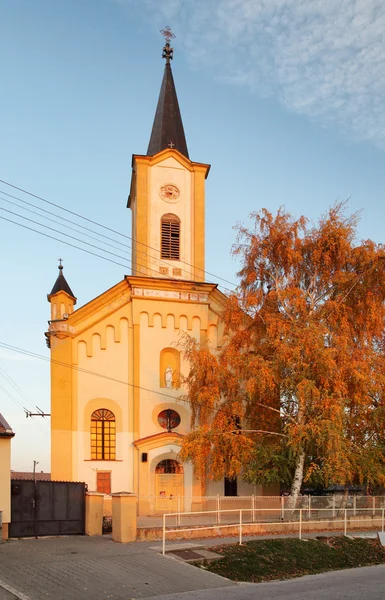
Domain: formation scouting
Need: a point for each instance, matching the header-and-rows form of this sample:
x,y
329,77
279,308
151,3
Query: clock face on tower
x,y
169,192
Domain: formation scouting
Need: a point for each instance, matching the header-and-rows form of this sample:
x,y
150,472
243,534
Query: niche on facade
x,y
169,368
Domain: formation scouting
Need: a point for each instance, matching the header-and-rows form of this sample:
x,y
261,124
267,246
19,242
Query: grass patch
x,y
264,560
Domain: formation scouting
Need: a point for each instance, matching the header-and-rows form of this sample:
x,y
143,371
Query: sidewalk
x,y
85,568
96,568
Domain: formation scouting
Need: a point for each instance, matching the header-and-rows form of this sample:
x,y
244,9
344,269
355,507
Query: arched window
x,y
103,435
168,466
170,237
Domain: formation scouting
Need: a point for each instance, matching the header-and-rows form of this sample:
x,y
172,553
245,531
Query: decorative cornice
x,y
169,295
164,437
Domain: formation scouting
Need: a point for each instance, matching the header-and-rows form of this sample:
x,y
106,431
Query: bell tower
x,y
167,194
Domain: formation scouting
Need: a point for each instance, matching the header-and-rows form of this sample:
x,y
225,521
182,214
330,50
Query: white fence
x,y
238,519
151,505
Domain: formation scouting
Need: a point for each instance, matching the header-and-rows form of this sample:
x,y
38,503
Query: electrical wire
x,y
63,241
61,233
59,223
16,387
138,260
13,399
79,240
78,215
96,374
159,262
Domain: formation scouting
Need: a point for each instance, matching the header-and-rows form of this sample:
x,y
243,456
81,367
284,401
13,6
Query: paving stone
x,y
85,568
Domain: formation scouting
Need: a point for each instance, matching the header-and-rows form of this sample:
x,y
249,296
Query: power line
x,y
104,227
77,239
159,261
140,263
17,388
72,237
108,377
62,241
63,218
13,399
61,233
59,223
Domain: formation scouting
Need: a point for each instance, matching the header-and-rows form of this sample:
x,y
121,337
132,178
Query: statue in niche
x,y
168,377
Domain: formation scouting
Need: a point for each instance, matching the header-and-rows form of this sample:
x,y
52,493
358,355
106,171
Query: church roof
x,y
61,285
167,130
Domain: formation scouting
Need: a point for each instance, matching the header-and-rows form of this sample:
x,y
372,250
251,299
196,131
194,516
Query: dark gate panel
x,y
47,508
22,509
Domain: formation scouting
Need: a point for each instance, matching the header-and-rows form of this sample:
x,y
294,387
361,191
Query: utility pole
x,y
41,413
35,462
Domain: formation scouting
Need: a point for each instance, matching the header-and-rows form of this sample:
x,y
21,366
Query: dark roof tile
x,y
167,130
61,285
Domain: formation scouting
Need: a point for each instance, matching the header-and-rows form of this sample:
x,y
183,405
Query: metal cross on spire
x,y
167,50
60,263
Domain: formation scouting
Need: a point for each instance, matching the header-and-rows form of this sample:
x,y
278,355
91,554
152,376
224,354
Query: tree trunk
x,y
297,482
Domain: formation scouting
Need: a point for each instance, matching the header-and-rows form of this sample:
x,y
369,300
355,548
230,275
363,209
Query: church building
x,y
116,421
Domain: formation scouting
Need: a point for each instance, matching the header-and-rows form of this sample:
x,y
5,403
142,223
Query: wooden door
x,y
169,485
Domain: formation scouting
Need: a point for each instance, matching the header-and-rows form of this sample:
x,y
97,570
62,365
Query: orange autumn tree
x,y
297,389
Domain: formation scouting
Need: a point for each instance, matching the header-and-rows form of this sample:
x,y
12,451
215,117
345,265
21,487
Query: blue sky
x,y
285,99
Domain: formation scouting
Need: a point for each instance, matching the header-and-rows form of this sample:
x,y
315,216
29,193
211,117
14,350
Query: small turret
x,y
61,298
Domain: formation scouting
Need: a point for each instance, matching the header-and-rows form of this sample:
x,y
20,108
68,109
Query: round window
x,y
168,419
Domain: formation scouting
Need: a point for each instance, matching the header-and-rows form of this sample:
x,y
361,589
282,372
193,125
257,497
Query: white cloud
x,y
319,58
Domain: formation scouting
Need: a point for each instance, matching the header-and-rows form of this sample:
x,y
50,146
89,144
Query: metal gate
x,y
47,508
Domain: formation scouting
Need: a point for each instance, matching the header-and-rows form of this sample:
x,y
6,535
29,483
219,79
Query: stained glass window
x,y
169,466
169,419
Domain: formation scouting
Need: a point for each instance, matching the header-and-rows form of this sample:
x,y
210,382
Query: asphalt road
x,y
366,583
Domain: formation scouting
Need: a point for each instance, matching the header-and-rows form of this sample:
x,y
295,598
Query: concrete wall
x,y
5,482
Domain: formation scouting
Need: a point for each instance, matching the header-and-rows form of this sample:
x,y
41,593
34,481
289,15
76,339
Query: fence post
x,y
240,527
218,509
334,506
309,507
253,508
164,535
354,505
374,504
345,521
300,524
382,519
282,508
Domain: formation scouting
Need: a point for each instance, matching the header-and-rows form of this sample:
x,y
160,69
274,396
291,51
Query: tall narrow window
x,y
103,435
170,237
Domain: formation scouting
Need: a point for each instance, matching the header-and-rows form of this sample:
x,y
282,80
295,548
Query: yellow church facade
x,y
117,421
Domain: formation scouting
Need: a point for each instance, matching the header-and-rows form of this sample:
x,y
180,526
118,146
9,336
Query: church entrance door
x,y
169,486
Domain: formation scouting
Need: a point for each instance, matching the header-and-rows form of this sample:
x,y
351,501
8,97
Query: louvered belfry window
x,y
170,234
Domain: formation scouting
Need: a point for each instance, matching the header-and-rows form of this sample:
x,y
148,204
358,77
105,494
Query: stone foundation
x,y
4,531
353,524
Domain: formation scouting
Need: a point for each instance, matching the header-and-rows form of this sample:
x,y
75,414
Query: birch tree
x,y
297,389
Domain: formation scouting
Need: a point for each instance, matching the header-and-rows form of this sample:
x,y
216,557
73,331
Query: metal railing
x,y
240,519
158,505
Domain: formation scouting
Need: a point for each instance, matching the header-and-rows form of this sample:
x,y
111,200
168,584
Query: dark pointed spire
x,y
167,130
61,284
